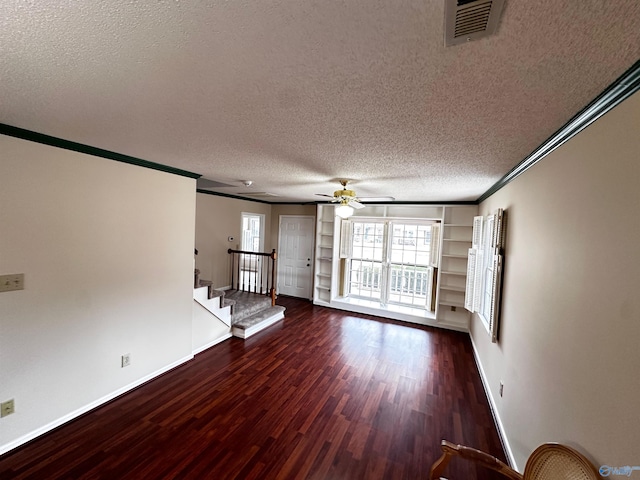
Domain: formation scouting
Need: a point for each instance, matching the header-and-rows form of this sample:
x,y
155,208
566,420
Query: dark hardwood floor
x,y
325,394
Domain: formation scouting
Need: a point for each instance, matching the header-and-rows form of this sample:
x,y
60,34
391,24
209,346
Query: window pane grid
x,y
409,285
405,278
365,278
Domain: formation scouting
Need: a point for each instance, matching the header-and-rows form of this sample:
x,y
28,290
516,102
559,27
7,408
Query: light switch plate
x,y
11,282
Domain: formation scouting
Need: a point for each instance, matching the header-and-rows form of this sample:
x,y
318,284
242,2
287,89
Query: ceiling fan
x,y
348,200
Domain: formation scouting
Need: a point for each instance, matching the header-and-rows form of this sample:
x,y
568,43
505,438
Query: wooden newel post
x,y
274,256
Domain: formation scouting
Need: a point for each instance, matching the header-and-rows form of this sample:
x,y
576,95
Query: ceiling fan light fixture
x,y
344,211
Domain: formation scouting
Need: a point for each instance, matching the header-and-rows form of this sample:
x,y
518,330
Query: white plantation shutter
x,y
488,239
476,240
477,281
497,243
471,278
498,234
346,244
495,297
473,286
435,245
484,270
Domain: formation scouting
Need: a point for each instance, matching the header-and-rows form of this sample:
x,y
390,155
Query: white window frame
x,y
384,285
346,251
243,240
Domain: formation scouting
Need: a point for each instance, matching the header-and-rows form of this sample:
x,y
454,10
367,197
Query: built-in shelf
x,y
457,230
452,304
324,272
452,288
453,229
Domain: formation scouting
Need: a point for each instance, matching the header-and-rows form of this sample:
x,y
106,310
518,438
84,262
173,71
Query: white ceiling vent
x,y
205,183
258,194
467,20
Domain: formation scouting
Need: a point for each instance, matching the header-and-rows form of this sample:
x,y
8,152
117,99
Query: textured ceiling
x,y
294,94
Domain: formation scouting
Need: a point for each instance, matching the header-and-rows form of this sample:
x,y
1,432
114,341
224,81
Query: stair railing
x,y
254,272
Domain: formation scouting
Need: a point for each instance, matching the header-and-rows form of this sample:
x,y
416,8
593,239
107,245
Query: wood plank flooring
x,y
325,394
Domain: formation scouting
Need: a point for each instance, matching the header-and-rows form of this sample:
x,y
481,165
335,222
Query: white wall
x,y
569,349
217,219
208,330
107,253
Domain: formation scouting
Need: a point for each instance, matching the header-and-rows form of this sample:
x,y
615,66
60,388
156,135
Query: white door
x,y
295,256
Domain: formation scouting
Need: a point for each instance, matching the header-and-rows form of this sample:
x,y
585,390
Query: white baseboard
x,y
87,408
224,337
494,409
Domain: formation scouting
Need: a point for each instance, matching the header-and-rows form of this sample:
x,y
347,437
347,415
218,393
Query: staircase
x,y
244,313
251,312
212,299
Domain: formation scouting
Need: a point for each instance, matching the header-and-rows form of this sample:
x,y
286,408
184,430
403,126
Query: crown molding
x,y
89,150
621,89
625,86
315,203
229,195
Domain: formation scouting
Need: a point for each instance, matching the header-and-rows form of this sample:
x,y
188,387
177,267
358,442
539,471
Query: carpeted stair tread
x,y
246,304
258,317
227,302
216,293
211,292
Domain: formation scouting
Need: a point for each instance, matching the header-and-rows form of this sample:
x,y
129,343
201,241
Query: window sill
x,y
397,312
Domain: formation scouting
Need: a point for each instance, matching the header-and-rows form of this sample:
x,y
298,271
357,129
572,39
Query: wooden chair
x,y
550,461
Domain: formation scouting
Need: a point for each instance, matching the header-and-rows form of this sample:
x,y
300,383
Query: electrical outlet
x,y
126,360
501,388
11,282
7,408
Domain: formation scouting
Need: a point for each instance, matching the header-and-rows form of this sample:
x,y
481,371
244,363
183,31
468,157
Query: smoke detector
x,y
467,20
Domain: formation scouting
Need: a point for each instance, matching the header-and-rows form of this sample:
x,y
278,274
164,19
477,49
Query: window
x,y
484,270
486,288
252,232
389,261
367,254
250,266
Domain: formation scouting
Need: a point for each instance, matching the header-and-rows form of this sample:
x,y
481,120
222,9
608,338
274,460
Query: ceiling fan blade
x,y
324,195
355,204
